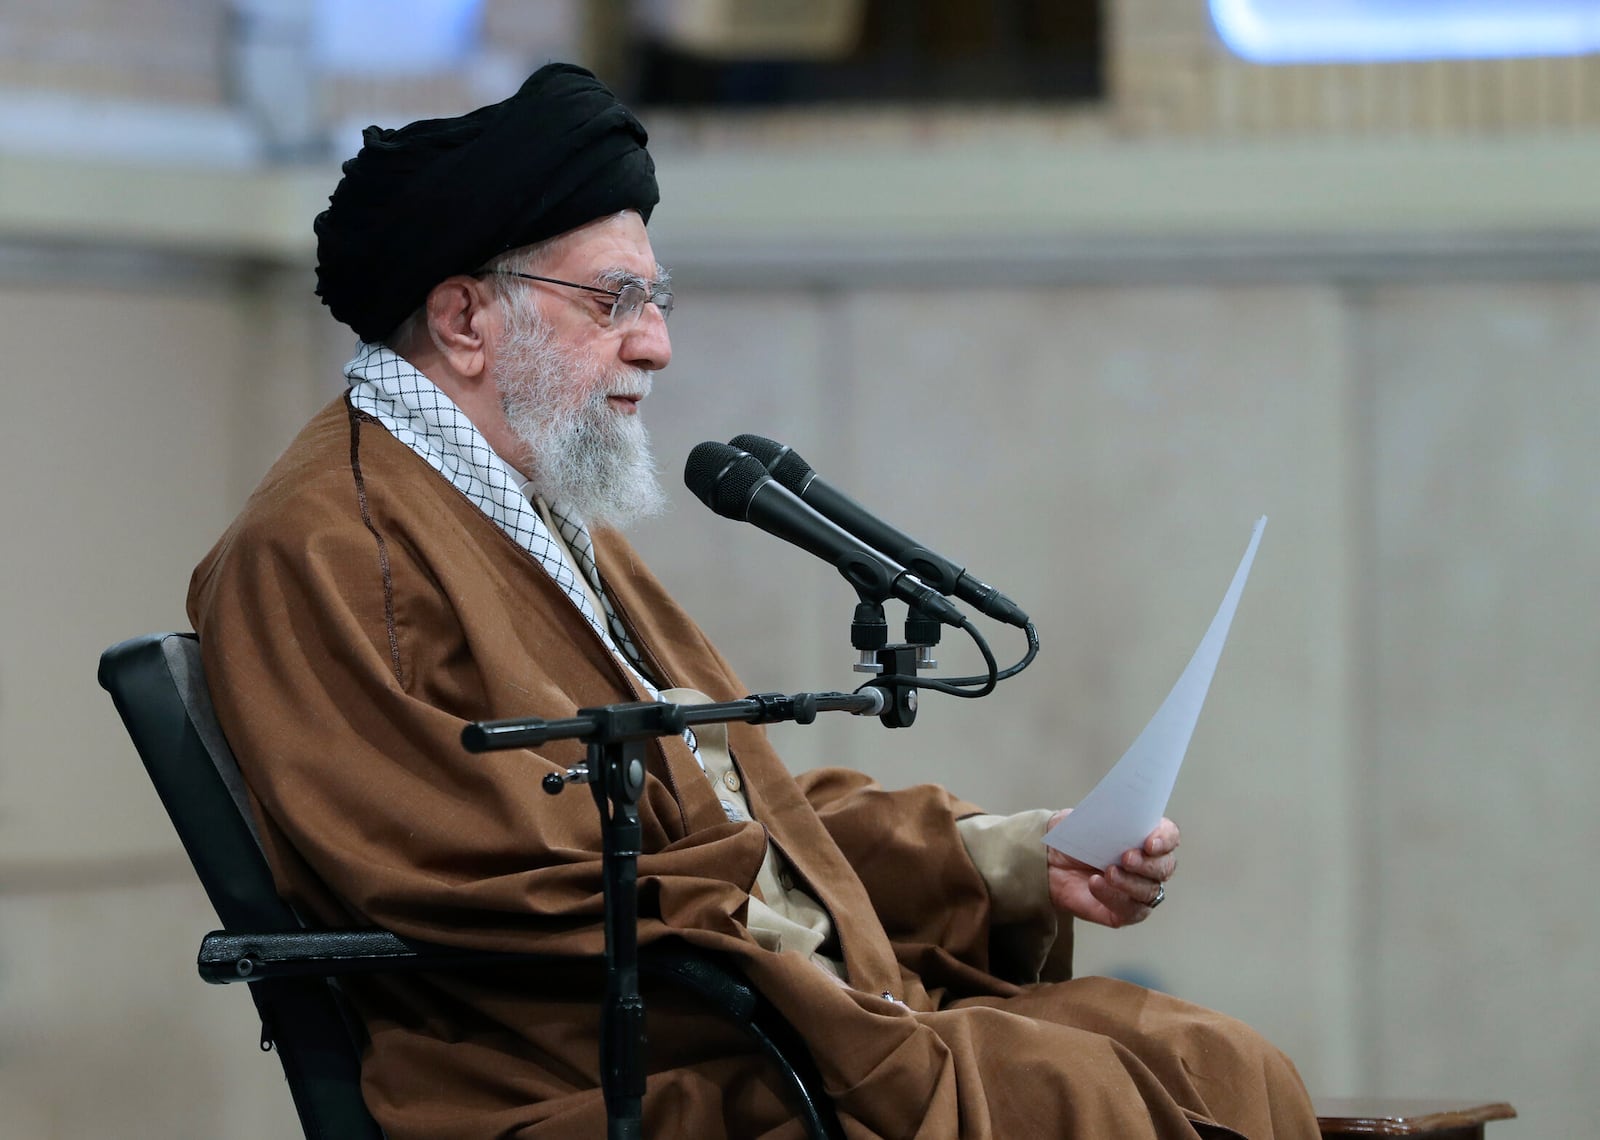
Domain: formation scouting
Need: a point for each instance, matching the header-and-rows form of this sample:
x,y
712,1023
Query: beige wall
x,y
1117,338
1385,796
121,440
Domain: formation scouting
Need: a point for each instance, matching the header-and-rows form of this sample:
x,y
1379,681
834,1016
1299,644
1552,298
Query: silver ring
x,y
1161,896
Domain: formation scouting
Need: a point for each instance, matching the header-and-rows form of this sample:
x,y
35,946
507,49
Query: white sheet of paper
x,y
1128,802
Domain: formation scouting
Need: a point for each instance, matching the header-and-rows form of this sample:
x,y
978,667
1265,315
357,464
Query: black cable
x,y
1011,671
957,687
963,686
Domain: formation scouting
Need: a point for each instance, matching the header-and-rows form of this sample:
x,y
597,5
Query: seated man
x,y
438,547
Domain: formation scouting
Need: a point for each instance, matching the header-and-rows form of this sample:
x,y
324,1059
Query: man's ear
x,y
459,324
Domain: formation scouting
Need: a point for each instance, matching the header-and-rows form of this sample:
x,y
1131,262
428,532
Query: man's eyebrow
x,y
617,277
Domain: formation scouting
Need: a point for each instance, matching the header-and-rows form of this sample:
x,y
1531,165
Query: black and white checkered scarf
x,y
386,387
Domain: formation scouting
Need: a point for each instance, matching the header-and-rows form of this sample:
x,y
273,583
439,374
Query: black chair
x,y
159,689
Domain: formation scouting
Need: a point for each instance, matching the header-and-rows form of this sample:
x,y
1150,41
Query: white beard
x,y
577,449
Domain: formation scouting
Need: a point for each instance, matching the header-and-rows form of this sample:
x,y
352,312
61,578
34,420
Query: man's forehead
x,y
615,246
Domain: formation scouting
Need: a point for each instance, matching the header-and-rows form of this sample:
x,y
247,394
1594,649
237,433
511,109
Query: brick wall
x,y
1171,76
145,50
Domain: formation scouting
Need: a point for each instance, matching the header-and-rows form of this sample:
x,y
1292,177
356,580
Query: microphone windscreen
x,y
724,478
787,468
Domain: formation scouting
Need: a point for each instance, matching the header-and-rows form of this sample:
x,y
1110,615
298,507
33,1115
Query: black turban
x,y
443,196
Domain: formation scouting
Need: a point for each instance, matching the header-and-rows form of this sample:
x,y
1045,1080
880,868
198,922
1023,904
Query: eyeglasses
x,y
626,303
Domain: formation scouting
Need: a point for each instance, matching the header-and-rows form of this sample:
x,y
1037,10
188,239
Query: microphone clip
x,y
894,665
897,677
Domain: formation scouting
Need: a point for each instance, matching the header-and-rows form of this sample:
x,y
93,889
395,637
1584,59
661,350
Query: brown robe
x,y
361,610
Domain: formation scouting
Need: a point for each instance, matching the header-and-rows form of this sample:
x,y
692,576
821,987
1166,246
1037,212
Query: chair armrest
x,y
266,956
257,956
1339,1117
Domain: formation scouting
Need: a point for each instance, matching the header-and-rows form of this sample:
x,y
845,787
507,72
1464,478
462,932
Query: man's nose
x,y
647,344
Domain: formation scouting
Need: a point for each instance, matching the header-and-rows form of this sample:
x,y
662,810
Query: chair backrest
x,y
159,688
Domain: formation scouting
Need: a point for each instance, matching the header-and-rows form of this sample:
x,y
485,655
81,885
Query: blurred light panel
x,y
395,36
1338,31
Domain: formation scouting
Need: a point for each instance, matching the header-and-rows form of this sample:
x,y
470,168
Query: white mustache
x,y
633,386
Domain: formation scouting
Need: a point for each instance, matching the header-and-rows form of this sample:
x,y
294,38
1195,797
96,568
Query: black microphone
x,y
736,486
937,571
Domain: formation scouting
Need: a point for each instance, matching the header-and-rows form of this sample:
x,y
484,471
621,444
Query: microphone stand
x,y
615,772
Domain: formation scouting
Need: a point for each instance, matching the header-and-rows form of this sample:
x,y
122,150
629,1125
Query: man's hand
x,y
1122,894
